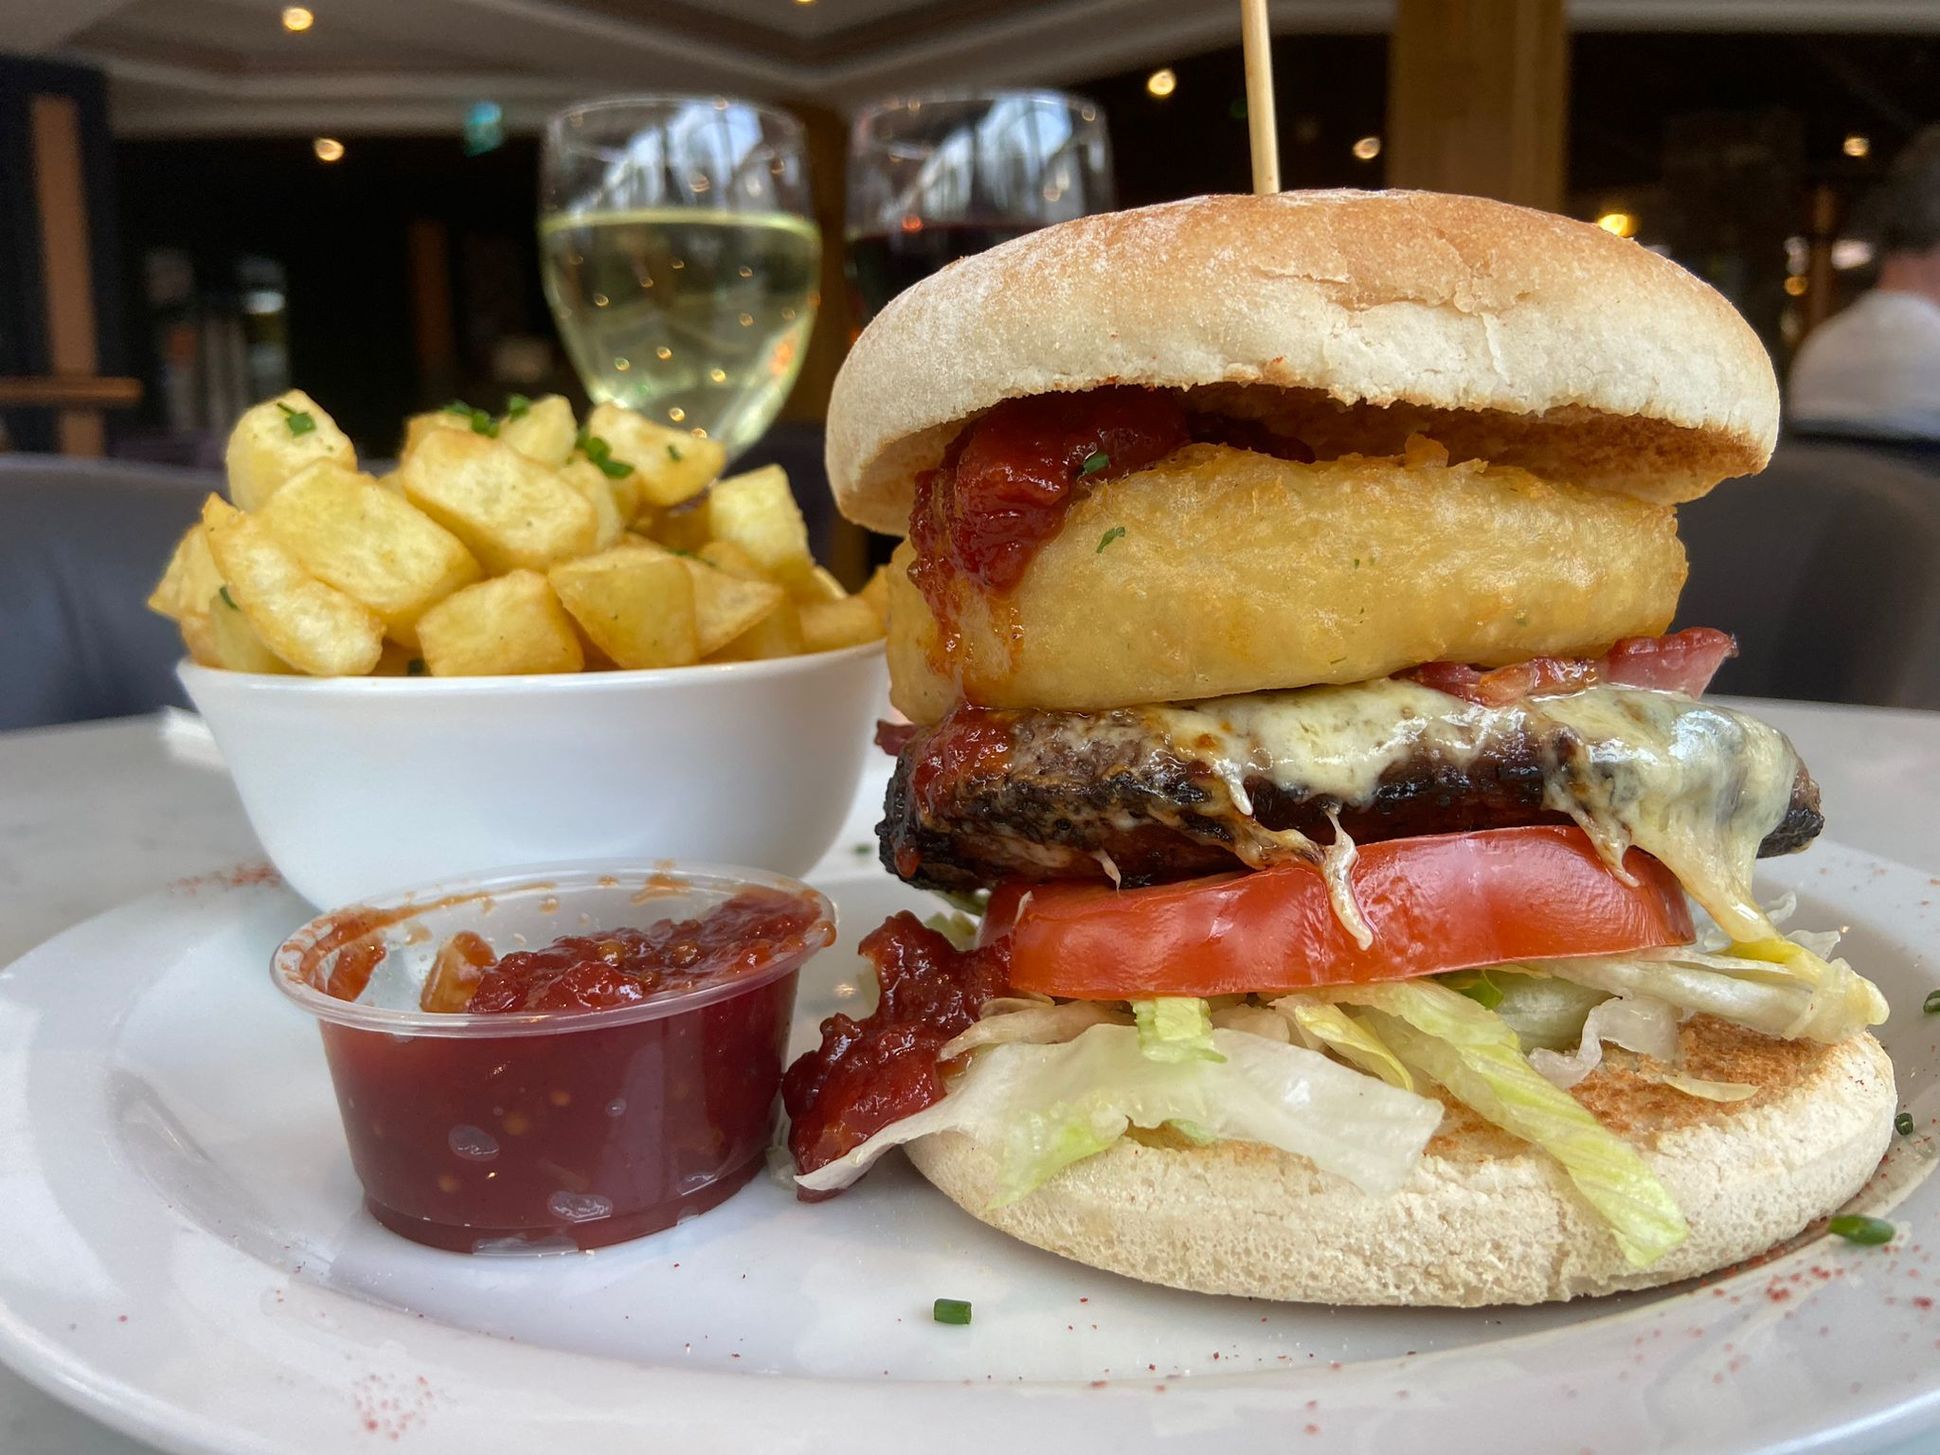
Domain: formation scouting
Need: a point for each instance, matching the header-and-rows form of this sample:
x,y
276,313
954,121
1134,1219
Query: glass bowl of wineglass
x,y
681,257
934,178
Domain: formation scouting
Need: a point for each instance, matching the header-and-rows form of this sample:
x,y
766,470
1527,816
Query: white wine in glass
x,y
681,266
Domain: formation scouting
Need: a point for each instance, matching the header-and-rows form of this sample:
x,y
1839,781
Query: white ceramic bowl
x,y
356,784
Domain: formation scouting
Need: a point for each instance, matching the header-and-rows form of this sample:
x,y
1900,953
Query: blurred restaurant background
x,y
208,201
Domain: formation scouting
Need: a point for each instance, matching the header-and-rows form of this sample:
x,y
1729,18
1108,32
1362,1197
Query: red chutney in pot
x,y
601,1131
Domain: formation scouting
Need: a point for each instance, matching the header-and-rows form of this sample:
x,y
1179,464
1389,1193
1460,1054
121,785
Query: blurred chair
x,y
82,542
1922,454
1827,567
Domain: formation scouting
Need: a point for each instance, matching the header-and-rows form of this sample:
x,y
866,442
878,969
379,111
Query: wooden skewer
x,y
1265,135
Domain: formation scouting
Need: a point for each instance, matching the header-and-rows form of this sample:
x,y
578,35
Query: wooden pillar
x,y
1818,270
827,134
67,272
434,326
1478,98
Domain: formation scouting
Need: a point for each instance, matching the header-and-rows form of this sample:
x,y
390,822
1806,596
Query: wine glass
x,y
680,257
935,178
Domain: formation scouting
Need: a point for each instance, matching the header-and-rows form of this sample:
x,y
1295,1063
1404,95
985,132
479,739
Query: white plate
x,y
182,1252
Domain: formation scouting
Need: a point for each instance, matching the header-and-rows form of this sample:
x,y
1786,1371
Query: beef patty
x,y
982,796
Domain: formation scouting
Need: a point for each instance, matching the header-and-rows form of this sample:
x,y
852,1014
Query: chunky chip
x,y
420,427
277,440
315,628
597,490
672,464
636,605
233,642
757,512
849,622
520,541
190,580
351,533
512,512
543,430
510,625
778,634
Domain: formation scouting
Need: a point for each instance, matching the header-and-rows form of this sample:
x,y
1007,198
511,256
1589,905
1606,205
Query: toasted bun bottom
x,y
1220,571
1485,1219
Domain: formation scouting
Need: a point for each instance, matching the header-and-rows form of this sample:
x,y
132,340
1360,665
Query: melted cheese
x,y
1695,785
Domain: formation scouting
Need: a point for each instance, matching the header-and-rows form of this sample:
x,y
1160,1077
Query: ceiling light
x,y
1367,148
1851,252
1857,144
297,19
328,149
1161,83
1623,224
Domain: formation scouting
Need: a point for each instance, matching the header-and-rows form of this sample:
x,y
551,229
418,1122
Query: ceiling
x,y
227,67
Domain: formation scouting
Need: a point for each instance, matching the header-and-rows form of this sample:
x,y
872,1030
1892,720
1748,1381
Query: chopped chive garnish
x,y
614,469
415,667
300,421
1868,1232
483,423
593,447
955,1310
458,406
227,600
1094,462
1903,1124
673,453
517,406
1108,537
1931,1005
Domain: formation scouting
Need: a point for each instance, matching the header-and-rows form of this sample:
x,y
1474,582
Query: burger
x,y
1355,890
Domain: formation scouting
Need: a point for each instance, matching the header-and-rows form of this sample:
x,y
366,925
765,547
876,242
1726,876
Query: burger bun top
x,y
1350,319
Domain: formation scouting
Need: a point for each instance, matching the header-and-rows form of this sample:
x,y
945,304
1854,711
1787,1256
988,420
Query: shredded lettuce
x,y
1639,1023
959,929
1326,1026
1474,1055
1478,985
1045,1107
1542,1011
1710,1090
1779,987
1175,1028
969,902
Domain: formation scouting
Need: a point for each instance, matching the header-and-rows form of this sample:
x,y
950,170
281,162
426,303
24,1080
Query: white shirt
x,y
1872,369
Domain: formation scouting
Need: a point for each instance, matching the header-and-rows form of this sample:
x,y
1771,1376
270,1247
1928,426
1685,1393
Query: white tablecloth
x,y
94,815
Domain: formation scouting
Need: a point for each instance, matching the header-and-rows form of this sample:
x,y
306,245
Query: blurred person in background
x,y
1874,369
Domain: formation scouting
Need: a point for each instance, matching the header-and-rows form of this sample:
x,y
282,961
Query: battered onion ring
x,y
1229,571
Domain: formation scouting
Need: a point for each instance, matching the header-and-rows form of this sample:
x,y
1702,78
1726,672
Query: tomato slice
x,y
1446,902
